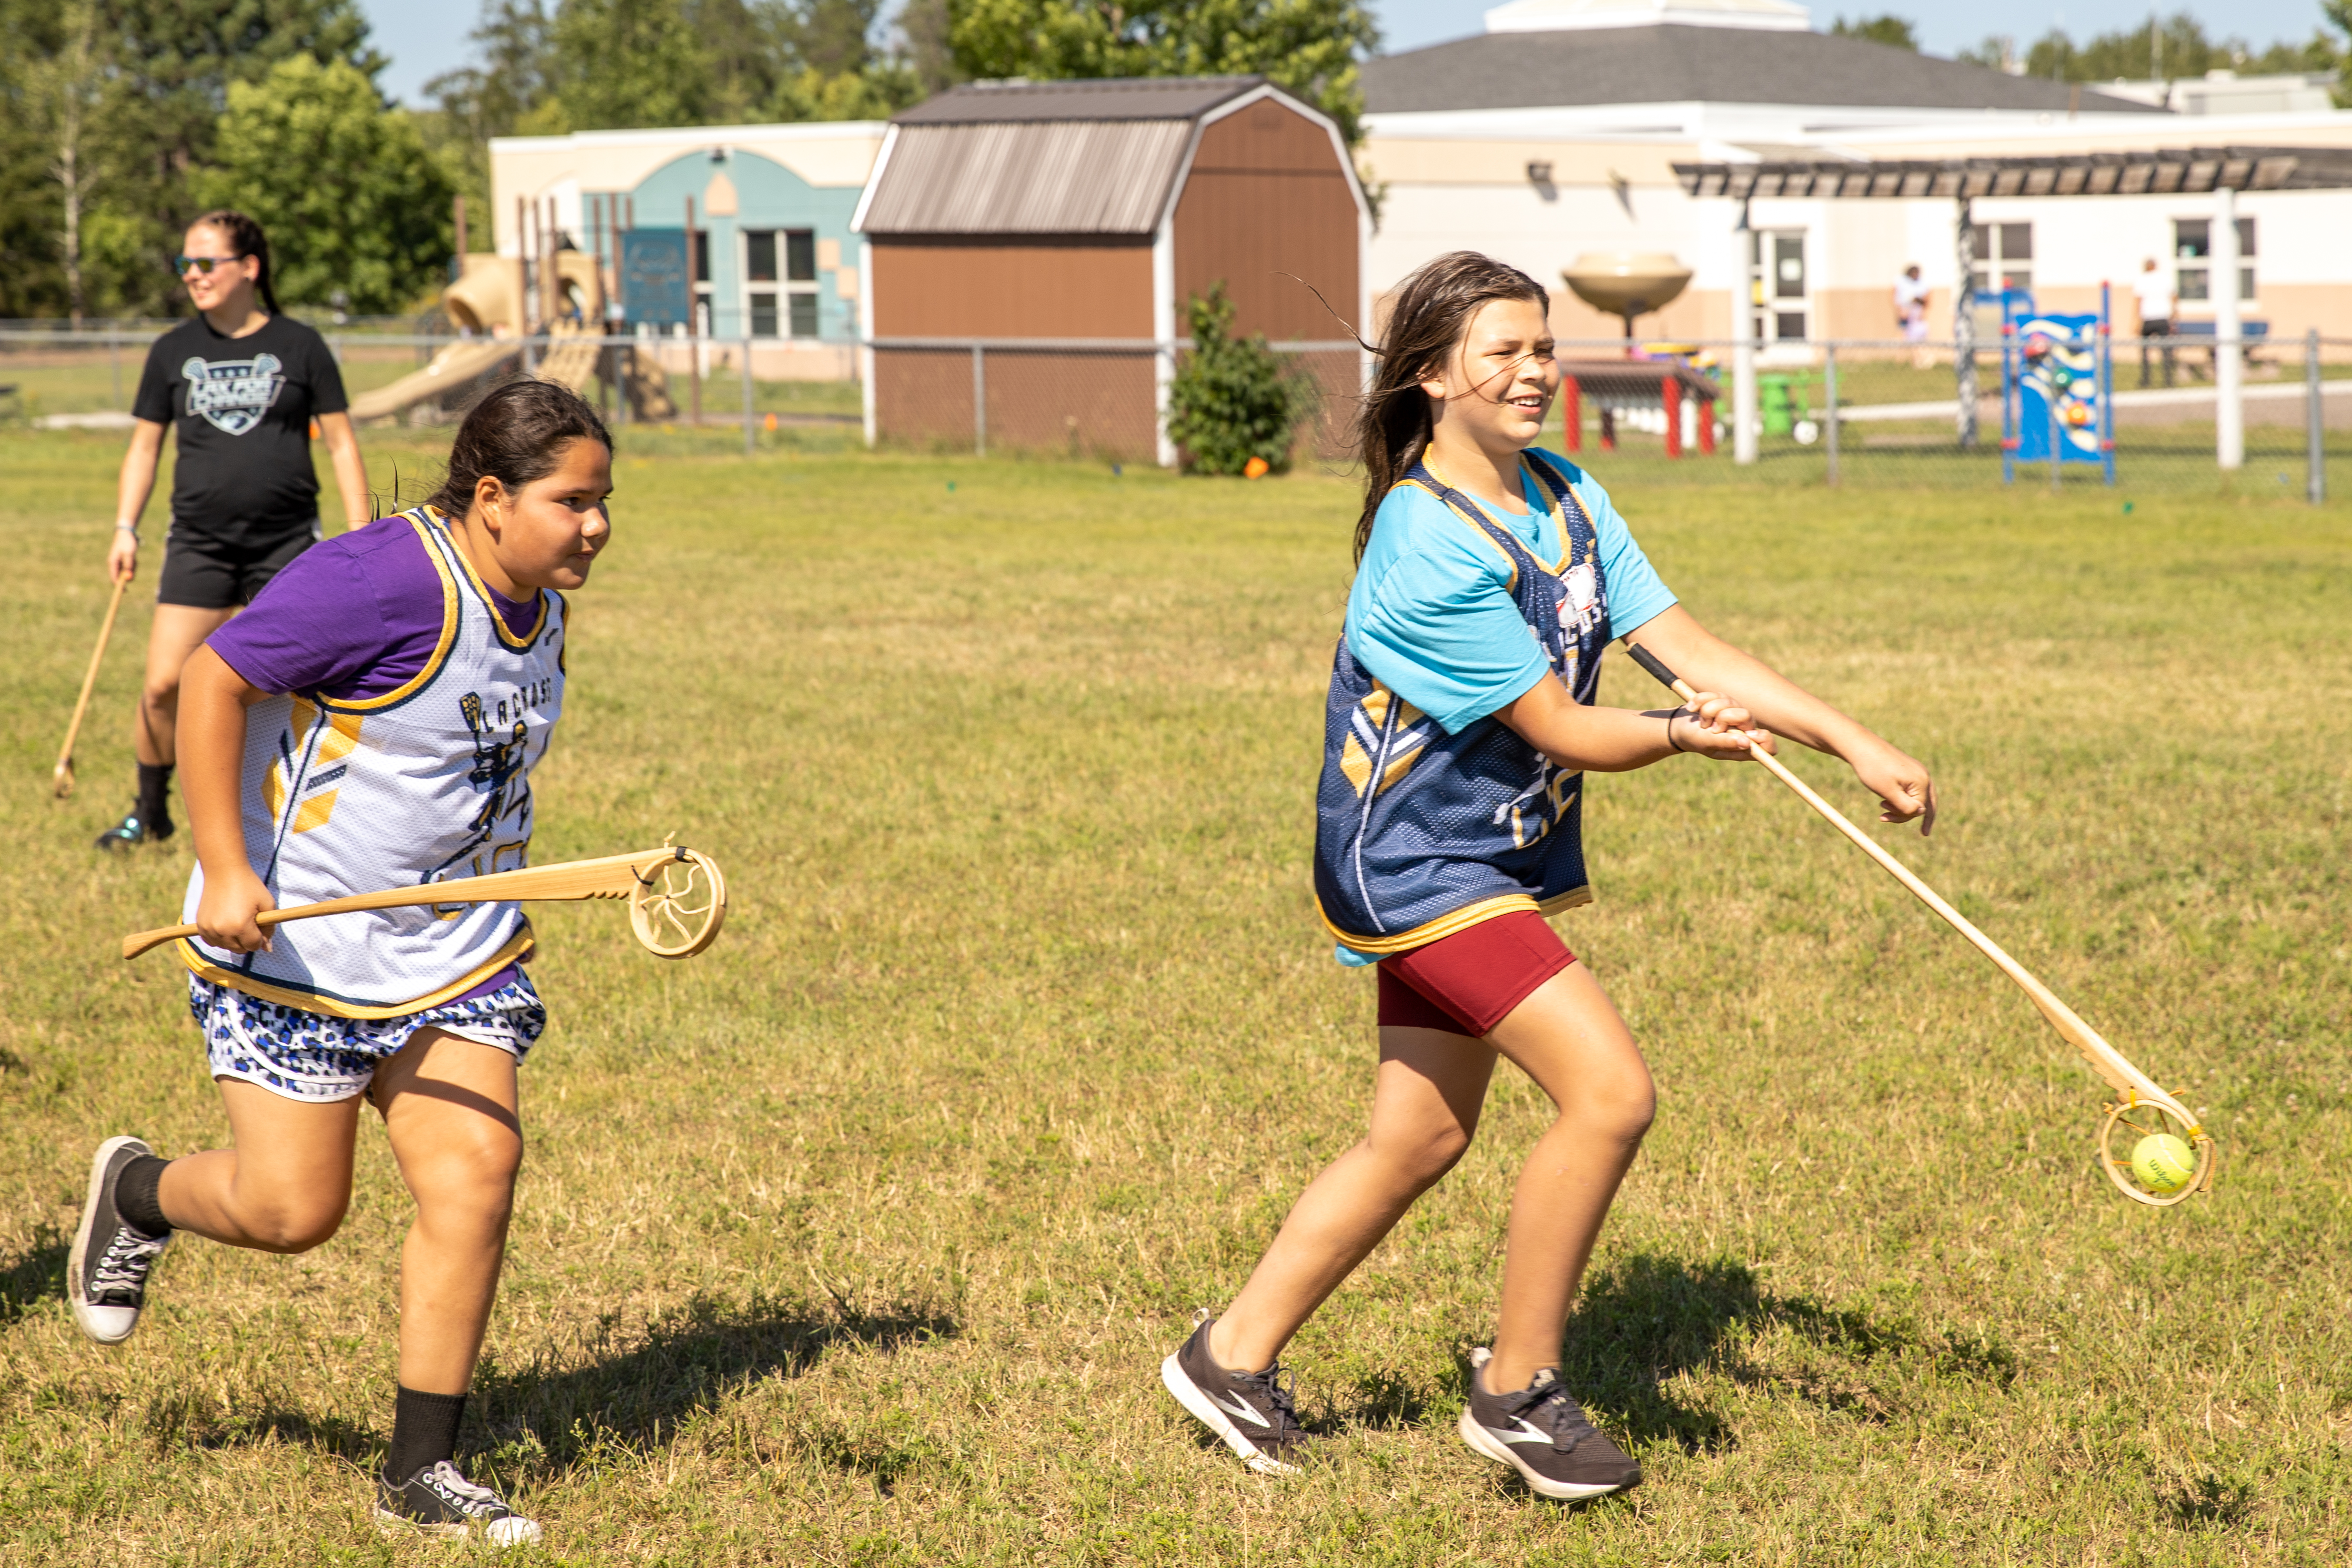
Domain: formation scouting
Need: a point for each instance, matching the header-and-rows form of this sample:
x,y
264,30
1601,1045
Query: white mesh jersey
x,y
421,784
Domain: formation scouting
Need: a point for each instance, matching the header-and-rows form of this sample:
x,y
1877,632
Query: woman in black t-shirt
x,y
241,383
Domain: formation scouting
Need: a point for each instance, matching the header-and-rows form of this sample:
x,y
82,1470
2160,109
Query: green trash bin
x,y
1780,404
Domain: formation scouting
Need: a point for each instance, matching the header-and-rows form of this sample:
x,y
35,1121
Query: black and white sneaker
x,y
135,829
1252,1413
436,1500
1545,1435
106,1273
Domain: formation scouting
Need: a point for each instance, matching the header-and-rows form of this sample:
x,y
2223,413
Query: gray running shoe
x,y
439,1502
1545,1435
106,1273
1252,1413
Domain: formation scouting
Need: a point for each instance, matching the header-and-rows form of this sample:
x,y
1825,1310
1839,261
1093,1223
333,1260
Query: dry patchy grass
x,y
857,1239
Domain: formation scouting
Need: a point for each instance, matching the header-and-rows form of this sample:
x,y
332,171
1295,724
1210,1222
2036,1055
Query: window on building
x,y
2192,251
2004,256
800,255
759,255
764,314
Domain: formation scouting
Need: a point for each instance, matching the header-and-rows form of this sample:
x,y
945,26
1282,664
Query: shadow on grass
x,y
561,1411
36,1274
184,1418
2207,1500
1644,1320
1648,1318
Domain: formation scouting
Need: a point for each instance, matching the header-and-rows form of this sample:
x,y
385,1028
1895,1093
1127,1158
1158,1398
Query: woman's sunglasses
x,y
183,265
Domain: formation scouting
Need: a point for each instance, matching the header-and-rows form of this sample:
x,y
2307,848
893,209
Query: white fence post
x,y
1743,348
1829,413
747,395
2229,359
2316,402
979,401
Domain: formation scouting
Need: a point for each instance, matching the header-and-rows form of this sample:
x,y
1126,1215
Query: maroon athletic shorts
x,y
1469,982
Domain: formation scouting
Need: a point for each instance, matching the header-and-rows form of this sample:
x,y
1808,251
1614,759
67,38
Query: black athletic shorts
x,y
213,574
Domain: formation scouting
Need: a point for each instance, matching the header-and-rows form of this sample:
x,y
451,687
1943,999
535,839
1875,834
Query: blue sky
x,y
424,37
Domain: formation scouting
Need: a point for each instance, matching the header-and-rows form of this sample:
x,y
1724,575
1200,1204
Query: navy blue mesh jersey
x,y
1420,834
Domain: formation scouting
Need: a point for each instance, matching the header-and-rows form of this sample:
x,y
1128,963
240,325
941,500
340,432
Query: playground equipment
x,y
2055,373
486,303
1627,284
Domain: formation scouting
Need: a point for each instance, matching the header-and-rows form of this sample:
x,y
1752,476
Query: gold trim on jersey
x,y
342,736
1551,508
498,621
440,655
1457,921
516,948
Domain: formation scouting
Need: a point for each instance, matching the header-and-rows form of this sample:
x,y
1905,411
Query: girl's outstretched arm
x,y
1906,792
213,700
1618,740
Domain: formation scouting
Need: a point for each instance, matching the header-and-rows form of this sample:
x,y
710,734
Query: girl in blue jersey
x,y
1459,731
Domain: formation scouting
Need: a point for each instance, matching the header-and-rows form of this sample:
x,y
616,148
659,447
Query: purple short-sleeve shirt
x,y
352,616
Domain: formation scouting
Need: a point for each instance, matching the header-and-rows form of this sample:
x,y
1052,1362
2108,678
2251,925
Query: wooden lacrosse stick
x,y
677,899
2143,1109
61,777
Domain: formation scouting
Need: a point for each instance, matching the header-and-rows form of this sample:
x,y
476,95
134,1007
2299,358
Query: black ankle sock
x,y
155,792
423,1432
136,1198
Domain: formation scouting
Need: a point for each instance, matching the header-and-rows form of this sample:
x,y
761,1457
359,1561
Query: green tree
x,y
2177,48
1232,398
1309,47
1895,32
355,205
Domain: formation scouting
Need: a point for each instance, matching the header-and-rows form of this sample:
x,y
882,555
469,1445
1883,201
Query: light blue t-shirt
x,y
1431,614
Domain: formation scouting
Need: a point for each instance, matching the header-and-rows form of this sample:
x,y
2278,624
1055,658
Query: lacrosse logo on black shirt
x,y
241,409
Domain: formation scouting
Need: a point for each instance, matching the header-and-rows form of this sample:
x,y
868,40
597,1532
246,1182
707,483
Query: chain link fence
x,y
768,392
1886,413
1847,412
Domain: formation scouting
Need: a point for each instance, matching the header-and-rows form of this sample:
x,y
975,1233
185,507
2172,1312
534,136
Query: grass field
x,y
857,1239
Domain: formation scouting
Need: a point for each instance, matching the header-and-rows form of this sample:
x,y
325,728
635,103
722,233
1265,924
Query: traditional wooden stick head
x,y
676,907
61,778
2155,1152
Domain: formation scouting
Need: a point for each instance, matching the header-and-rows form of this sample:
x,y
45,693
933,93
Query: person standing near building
x,y
2153,289
1911,313
240,385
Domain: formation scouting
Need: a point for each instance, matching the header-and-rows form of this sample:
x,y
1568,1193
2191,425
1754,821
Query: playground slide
x,y
460,363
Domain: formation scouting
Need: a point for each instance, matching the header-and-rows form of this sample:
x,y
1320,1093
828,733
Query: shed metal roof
x,y
1111,97
2160,172
1064,177
1675,64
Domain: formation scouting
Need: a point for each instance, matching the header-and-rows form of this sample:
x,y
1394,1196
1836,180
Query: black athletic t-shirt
x,y
242,408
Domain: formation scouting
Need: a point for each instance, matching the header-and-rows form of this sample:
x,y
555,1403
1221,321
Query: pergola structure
x,y
2221,172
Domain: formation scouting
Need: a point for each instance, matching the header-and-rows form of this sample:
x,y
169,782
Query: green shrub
x,y
1232,398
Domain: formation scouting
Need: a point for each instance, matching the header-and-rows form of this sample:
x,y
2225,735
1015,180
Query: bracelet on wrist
x,y
1677,745
131,529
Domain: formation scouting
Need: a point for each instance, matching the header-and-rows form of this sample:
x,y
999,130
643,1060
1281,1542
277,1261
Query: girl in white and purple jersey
x,y
372,721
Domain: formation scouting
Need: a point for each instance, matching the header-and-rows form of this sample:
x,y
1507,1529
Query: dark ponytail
x,y
1431,312
244,237
515,436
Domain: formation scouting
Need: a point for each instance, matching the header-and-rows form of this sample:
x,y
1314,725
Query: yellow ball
x,y
2163,1163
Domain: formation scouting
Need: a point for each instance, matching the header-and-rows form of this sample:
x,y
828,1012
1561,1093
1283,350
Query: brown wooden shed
x,y
1030,247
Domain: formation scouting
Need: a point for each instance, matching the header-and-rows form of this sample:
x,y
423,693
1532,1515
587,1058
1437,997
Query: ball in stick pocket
x,y
2163,1163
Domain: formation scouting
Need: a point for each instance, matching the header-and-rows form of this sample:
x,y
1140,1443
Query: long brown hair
x,y
246,235
515,436
1433,310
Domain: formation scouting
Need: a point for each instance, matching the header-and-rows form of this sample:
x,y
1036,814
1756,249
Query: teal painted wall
x,y
767,196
